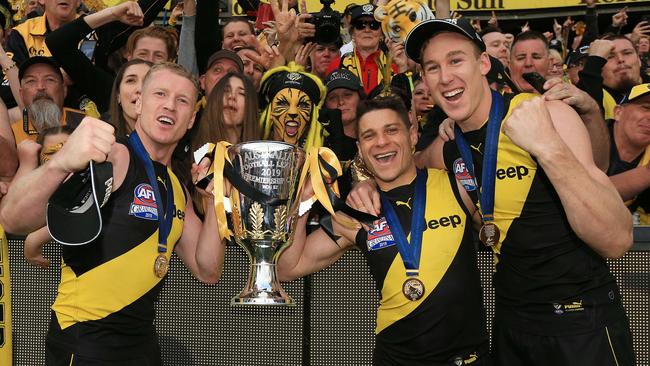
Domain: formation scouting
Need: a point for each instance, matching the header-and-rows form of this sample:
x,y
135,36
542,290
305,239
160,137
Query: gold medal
x,y
489,234
160,266
413,289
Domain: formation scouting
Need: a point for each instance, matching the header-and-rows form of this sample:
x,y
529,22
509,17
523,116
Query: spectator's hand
x,y
493,22
302,56
590,3
530,126
620,19
28,151
548,36
601,48
568,23
557,29
285,20
399,55
365,198
128,12
305,29
34,251
92,140
269,56
525,28
476,23
642,28
446,130
178,11
557,89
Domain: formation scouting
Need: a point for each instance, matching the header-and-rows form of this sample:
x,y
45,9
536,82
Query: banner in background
x,y
5,302
469,5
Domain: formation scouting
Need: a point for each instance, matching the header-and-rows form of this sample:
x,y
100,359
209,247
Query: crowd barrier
x,y
332,323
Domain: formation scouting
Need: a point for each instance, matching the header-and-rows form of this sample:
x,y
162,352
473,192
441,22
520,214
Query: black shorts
x,y
55,355
607,346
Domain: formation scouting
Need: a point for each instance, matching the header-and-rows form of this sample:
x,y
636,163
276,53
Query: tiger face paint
x,y
290,114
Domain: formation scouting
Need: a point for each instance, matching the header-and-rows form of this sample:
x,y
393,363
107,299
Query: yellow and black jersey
x,y
545,275
105,302
450,318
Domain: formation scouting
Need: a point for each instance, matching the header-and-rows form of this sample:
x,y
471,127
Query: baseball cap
x,y
636,92
37,60
73,211
574,56
429,28
230,55
365,10
342,78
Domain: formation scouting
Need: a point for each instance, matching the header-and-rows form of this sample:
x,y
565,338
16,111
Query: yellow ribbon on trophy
x,y
319,175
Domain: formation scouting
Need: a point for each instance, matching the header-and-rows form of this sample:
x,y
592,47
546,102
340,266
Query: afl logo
x,y
144,203
462,175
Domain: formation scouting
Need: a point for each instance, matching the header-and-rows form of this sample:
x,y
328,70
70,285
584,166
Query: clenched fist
x,y
92,140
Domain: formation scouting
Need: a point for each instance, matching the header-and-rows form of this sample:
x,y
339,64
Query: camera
x,y
327,22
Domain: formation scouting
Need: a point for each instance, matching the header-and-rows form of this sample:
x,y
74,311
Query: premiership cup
x,y
265,229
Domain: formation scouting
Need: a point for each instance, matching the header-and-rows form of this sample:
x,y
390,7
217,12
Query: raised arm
x,y
186,43
23,208
555,136
63,43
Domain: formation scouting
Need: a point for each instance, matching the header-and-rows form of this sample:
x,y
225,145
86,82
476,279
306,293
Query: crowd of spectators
x,y
65,60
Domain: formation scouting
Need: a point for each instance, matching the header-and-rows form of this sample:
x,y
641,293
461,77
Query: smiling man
x,y
420,252
528,164
104,311
43,92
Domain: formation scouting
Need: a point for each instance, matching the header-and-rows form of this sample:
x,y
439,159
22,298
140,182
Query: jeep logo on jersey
x,y
462,175
144,203
445,221
380,236
518,171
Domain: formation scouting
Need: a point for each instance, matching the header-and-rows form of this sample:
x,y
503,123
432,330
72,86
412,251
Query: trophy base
x,y
262,298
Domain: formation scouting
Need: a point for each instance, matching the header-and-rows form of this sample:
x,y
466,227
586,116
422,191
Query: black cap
x,y
277,80
230,55
342,78
498,74
636,92
38,60
574,56
73,212
429,28
365,10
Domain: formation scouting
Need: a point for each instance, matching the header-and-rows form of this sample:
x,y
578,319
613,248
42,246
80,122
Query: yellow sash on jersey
x,y
111,286
5,302
439,248
511,156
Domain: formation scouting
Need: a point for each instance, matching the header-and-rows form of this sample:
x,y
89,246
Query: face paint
x,y
290,114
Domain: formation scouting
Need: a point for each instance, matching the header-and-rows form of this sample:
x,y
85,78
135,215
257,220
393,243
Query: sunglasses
x,y
368,23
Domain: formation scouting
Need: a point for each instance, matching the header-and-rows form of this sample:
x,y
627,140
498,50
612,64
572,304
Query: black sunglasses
x,y
368,23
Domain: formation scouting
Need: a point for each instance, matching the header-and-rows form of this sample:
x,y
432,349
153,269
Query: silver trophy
x,y
264,229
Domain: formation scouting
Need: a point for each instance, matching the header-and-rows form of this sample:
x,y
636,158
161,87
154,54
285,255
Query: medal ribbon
x,y
164,218
488,176
410,252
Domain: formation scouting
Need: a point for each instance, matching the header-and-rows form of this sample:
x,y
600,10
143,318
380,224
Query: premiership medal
x,y
413,289
160,266
164,216
489,234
